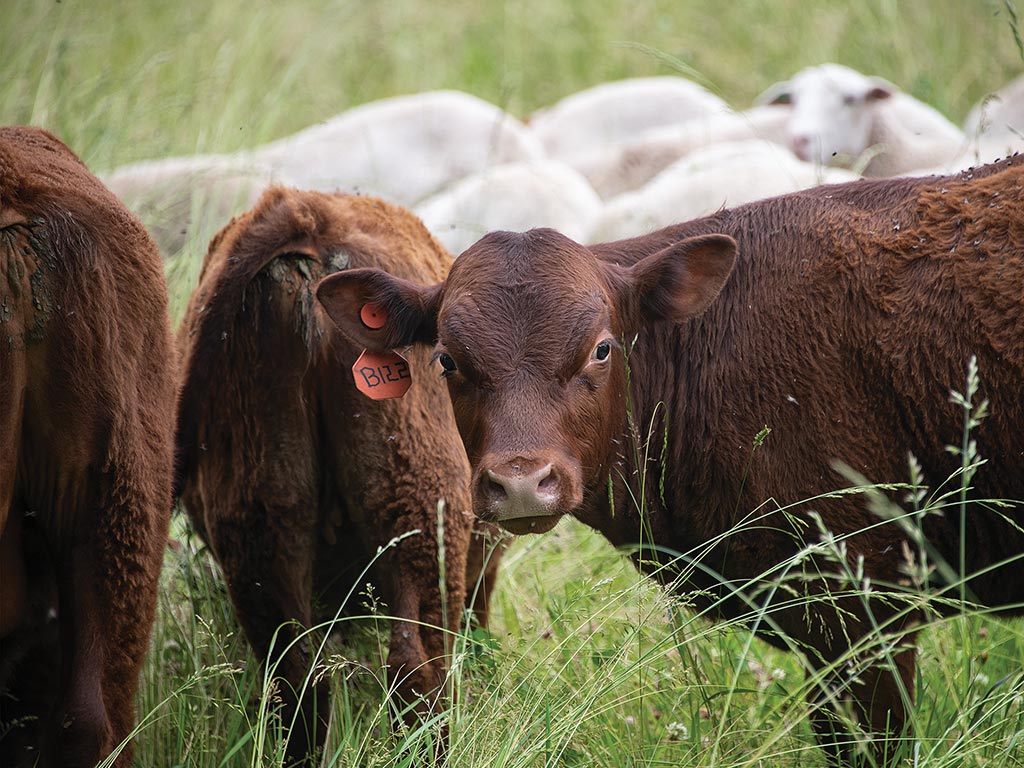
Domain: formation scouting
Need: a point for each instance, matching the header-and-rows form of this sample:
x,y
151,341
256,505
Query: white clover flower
x,y
677,731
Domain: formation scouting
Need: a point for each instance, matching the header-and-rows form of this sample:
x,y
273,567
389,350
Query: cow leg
x,y
424,620
419,647
486,546
876,700
417,652
30,654
13,587
13,580
107,583
25,659
84,733
270,583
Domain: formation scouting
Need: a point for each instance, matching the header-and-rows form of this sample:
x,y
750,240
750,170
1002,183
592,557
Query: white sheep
x,y
721,175
515,197
404,148
619,111
841,117
184,200
620,168
995,125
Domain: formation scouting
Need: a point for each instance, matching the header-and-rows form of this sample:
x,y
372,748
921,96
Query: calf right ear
x,y
380,311
677,282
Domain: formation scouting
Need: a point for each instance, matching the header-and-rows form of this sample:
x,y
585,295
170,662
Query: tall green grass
x,y
122,81
586,663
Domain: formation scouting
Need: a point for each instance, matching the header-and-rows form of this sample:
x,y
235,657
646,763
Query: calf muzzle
x,y
523,495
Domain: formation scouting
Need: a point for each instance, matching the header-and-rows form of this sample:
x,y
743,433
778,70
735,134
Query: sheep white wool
x,y
722,175
619,111
659,150
995,125
184,200
619,168
402,149
515,197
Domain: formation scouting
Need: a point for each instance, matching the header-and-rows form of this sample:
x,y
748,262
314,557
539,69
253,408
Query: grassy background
x,y
588,663
122,81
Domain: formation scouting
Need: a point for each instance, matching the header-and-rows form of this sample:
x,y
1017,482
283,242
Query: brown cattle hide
x,y
294,479
839,317
86,443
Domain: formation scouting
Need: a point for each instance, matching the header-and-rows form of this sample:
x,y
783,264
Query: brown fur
x,y
292,476
850,315
86,425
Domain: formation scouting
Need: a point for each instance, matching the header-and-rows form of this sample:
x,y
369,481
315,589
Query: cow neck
x,y
681,376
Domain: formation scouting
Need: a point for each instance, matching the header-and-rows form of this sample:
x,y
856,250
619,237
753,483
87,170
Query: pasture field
x,y
586,662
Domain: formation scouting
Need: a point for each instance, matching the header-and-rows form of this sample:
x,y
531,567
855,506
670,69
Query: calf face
x,y
532,338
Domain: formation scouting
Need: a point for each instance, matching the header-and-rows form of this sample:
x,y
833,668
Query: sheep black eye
x,y
602,350
447,364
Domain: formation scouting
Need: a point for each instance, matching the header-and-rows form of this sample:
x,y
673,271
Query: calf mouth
x,y
533,524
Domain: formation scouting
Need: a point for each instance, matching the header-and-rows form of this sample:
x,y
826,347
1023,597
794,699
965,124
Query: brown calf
x,y
294,478
86,445
844,317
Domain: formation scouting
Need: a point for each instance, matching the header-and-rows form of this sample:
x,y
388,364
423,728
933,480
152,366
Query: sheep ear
x,y
780,93
380,311
880,89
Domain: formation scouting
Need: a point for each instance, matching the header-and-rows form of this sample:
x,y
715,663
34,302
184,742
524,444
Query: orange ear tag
x,y
382,375
373,315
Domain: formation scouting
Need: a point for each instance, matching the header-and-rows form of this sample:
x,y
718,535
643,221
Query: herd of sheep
x,y
614,161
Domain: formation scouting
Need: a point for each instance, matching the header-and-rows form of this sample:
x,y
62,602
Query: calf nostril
x,y
548,483
494,487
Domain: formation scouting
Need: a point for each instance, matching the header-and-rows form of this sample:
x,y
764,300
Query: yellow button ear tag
x,y
382,375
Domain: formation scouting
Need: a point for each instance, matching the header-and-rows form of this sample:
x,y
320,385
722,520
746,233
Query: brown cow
x,y
844,317
86,447
293,477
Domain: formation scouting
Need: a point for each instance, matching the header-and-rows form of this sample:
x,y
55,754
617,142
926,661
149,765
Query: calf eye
x,y
602,350
447,364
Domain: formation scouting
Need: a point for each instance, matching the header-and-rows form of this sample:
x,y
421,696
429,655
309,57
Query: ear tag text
x,y
382,375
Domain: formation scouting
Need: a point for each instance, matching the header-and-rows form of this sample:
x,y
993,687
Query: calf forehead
x,y
506,258
519,285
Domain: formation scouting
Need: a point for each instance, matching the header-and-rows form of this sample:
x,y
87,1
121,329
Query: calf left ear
x,y
677,282
380,311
